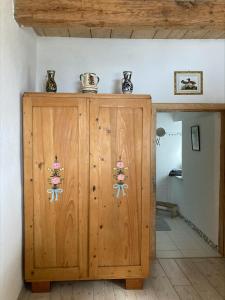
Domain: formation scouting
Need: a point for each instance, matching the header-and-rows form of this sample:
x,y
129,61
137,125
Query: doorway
x,y
182,201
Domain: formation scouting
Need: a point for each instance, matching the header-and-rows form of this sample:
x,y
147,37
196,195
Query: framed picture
x,y
188,83
195,138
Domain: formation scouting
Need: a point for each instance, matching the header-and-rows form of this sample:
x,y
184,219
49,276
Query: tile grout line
x,y
200,233
196,238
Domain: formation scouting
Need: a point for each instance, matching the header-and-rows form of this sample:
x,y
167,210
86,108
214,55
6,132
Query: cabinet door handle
x,y
94,188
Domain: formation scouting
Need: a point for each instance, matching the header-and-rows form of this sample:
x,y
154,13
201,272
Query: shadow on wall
x,y
117,86
162,189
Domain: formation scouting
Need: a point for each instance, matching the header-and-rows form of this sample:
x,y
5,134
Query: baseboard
x,y
22,294
200,233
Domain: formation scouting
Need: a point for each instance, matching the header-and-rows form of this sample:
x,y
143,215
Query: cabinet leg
x,y
40,287
134,284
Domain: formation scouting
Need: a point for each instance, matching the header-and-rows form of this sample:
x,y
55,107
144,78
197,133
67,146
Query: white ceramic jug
x,y
89,82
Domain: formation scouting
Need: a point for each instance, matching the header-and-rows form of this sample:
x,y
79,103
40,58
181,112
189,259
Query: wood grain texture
x,y
175,275
146,33
216,107
196,34
62,96
57,232
214,34
52,31
156,287
79,31
28,185
122,33
119,228
162,33
132,33
177,34
213,274
187,292
134,284
221,237
199,281
218,265
100,32
40,287
161,284
117,15
165,14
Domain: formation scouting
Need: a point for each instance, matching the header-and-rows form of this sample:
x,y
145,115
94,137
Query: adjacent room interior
x,y
187,184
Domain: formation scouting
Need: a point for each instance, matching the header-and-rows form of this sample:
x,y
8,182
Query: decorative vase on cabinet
x,y
76,226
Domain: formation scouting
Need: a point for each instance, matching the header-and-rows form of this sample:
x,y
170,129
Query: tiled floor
x,y
181,241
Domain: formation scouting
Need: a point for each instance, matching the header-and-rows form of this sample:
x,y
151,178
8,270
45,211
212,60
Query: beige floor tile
x,y
188,244
197,253
169,246
169,254
182,240
162,236
164,247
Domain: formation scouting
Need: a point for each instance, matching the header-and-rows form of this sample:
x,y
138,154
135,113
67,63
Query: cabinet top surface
x,y
86,95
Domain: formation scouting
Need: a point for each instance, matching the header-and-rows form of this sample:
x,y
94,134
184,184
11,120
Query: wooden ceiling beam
x,y
124,18
187,3
116,13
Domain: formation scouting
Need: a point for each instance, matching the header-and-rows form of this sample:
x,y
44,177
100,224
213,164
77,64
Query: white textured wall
x,y
198,193
168,154
152,62
17,74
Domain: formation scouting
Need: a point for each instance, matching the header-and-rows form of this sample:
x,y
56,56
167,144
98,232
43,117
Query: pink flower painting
x,y
120,164
121,177
55,180
56,166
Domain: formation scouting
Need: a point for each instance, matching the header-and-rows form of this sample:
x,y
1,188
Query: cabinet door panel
x,y
119,227
59,234
56,240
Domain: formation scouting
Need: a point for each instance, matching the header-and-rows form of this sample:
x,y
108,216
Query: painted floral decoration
x,y
120,176
55,180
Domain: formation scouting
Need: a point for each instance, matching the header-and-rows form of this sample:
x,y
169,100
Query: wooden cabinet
x,y
90,232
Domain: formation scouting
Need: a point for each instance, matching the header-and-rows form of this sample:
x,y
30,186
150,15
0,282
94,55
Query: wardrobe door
x,y
119,217
56,172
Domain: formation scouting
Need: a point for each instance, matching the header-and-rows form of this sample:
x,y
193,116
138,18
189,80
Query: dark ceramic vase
x,y
51,86
127,85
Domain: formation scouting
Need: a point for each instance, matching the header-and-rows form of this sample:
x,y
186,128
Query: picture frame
x,y
188,83
195,138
